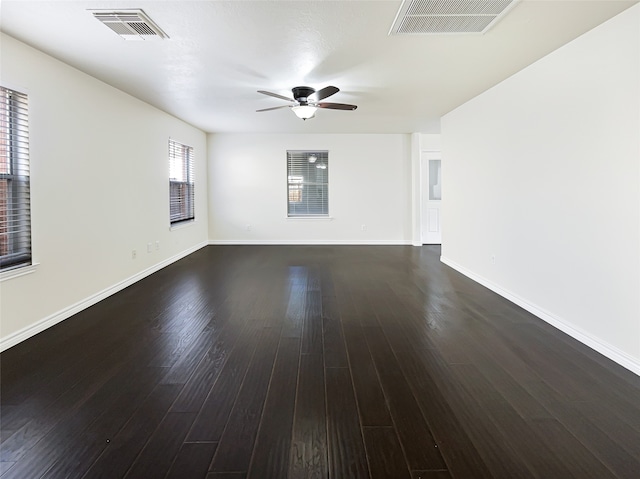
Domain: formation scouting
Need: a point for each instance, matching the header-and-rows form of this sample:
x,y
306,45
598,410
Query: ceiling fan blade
x,y
325,93
337,106
275,108
275,95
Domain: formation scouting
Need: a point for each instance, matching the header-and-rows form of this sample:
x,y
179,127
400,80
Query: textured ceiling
x,y
221,52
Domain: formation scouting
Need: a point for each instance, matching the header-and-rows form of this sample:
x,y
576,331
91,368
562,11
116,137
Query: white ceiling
x,y
221,52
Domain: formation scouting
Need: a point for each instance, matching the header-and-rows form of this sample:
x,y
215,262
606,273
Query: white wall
x,y
99,186
543,171
430,142
369,184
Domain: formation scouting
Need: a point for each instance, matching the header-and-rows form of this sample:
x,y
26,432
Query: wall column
x,y
415,190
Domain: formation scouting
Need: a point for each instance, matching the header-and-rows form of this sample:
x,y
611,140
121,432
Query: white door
x,y
431,192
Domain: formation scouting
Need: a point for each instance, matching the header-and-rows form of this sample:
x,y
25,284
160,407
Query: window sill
x,y
310,218
184,224
14,273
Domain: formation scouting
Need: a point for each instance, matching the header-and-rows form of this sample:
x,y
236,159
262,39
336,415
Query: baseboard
x,y
25,333
623,359
311,242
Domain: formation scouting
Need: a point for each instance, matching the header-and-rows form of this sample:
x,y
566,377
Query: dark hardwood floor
x,y
313,362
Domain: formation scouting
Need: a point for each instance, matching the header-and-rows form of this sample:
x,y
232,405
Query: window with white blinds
x,y
181,183
15,207
308,183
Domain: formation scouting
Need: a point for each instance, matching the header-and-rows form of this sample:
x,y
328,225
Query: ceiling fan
x,y
307,100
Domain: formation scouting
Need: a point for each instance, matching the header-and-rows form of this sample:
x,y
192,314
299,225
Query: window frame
x,y
181,190
16,253
298,182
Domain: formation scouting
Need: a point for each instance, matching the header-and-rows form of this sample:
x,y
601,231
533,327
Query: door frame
x,y
425,156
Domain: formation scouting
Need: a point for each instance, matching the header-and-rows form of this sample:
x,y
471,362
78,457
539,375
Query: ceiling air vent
x,y
130,24
434,17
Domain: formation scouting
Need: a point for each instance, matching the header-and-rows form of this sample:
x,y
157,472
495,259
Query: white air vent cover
x,y
130,24
448,16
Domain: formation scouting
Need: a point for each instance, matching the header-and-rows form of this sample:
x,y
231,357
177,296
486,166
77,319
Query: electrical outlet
x,y
363,227
149,247
134,253
493,259
248,227
157,244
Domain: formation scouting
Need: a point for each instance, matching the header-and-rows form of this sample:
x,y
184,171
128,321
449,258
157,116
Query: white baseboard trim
x,y
311,242
25,333
623,359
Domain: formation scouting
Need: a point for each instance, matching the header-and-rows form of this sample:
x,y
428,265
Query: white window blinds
x,y
181,183
15,209
308,183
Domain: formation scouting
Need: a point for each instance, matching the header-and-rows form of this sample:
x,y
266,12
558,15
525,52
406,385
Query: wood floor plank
x,y
296,306
237,441
415,436
499,364
59,402
273,443
96,437
309,437
5,466
335,353
206,373
449,430
619,431
606,370
473,419
386,460
546,361
621,460
159,453
312,340
8,432
192,460
125,446
49,364
53,447
549,364
214,414
371,401
184,366
430,475
576,457
616,456
534,452
496,451
181,326
453,416
625,398
346,447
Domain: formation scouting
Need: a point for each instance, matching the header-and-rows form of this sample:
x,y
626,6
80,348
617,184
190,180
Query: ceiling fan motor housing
x,y
301,93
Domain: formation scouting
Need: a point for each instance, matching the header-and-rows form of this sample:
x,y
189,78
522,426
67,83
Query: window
x,y
15,210
181,185
308,183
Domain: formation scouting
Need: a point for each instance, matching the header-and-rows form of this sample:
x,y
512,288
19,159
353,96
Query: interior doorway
x,y
431,197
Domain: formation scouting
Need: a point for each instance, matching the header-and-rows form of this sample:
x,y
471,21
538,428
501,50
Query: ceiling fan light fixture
x,y
304,111
305,108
